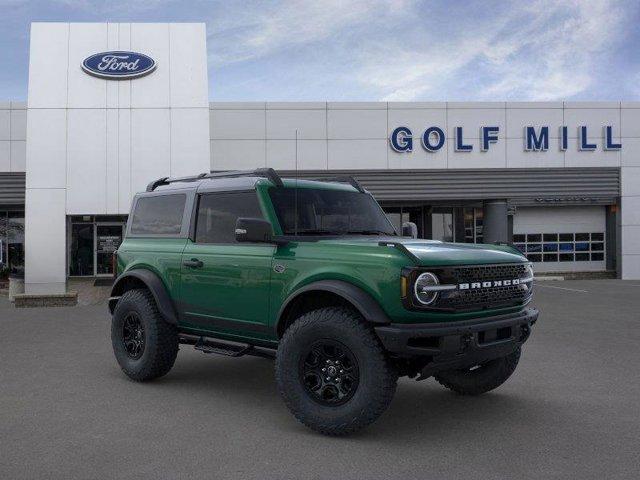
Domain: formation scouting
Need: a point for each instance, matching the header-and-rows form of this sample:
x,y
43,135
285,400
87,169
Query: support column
x,y
495,222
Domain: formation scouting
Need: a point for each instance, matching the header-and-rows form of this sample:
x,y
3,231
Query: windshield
x,y
329,212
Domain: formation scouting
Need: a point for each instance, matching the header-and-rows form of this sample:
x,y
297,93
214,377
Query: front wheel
x,y
480,378
144,344
332,372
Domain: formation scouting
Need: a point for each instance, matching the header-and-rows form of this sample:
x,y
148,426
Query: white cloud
x,y
258,30
547,50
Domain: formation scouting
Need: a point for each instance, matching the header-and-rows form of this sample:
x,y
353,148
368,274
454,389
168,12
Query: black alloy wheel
x,y
133,336
329,372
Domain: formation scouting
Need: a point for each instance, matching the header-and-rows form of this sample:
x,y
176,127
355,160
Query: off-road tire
x,y
482,379
161,338
377,377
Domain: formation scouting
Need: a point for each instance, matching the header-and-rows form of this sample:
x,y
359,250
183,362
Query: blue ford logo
x,y
118,65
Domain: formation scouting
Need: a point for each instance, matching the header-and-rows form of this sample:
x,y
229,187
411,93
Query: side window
x,y
218,212
158,215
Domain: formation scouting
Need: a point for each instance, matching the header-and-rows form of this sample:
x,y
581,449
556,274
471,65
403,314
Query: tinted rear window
x,y
158,215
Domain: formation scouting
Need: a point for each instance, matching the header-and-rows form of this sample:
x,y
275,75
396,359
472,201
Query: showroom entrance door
x,y
108,237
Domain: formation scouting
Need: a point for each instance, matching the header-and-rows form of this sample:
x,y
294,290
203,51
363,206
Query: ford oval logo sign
x,y
118,65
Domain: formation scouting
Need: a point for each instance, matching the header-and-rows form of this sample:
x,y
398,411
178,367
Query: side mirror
x,y
409,229
253,230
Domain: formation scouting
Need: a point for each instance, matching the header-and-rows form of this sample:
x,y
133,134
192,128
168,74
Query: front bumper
x,y
460,344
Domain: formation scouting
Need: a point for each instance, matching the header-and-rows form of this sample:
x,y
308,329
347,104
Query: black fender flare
x,y
366,305
155,286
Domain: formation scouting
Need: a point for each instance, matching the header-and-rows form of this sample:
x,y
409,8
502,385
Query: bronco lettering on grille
x,y
488,284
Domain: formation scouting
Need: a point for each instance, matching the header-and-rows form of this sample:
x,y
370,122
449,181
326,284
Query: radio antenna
x,y
295,193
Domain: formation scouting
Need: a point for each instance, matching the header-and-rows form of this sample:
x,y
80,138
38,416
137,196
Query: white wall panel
x,y
5,124
357,124
48,63
153,90
18,156
281,154
312,154
124,160
237,154
18,124
518,118
630,153
630,239
495,157
5,156
282,124
86,161
86,91
517,157
630,268
188,72
418,120
45,241
113,43
189,141
111,161
150,146
630,211
237,124
107,139
47,148
419,158
598,158
630,181
592,118
630,120
356,154
295,105
472,119
124,86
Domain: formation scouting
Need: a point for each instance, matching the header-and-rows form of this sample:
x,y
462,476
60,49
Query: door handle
x,y
193,263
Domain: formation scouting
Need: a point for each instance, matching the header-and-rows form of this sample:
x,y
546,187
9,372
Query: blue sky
x,y
361,50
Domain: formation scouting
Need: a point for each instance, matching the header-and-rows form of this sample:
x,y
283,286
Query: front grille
x,y
479,273
486,297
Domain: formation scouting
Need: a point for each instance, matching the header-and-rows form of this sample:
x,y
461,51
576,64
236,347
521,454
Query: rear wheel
x,y
144,344
480,378
332,372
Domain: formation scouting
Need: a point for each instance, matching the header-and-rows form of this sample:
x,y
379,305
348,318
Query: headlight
x,y
424,290
528,277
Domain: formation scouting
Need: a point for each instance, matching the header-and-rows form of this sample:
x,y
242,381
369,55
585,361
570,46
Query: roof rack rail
x,y
343,179
269,173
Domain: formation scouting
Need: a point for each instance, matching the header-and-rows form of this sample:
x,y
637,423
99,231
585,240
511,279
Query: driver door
x,y
225,284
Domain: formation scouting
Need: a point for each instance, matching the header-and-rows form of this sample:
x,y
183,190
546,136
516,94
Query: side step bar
x,y
225,347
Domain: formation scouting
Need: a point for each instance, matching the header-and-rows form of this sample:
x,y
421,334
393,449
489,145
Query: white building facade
x,y
561,180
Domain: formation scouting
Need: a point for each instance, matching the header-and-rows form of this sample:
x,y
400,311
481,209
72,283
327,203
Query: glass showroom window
x,y
561,247
11,243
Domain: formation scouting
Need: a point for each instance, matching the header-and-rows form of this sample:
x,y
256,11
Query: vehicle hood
x,y
433,252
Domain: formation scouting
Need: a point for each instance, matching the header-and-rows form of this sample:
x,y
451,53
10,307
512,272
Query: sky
x,y
377,50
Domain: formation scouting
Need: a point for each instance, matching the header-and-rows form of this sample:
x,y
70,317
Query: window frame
x,y
193,227
186,214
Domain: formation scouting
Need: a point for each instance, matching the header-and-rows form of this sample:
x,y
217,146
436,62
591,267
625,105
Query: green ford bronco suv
x,y
313,274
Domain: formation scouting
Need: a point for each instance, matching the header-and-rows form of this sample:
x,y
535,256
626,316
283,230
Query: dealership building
x,y
113,106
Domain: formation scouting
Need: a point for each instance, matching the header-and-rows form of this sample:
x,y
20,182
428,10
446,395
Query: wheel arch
x,y
141,278
325,293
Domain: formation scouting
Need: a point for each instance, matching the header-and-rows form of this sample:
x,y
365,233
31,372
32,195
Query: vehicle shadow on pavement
x,y
422,409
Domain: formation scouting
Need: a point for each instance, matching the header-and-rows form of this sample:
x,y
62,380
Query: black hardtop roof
x,y
235,179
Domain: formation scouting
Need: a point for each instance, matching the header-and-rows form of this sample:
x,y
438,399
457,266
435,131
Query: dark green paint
x,y
237,293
